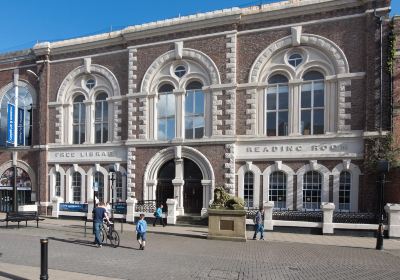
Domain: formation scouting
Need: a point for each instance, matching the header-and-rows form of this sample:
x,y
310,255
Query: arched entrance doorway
x,y
165,188
192,189
24,189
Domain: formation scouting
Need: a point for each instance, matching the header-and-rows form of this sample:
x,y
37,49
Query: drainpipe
x,y
380,21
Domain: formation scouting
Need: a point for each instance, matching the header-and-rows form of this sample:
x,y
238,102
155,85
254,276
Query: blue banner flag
x,y
10,122
21,126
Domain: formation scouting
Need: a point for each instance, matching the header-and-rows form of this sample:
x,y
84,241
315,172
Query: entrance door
x,y
165,188
193,189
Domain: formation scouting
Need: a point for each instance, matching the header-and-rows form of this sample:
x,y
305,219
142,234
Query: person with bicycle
x,y
141,228
99,213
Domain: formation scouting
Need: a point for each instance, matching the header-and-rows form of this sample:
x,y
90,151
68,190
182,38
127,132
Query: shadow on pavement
x,y
87,243
11,276
179,234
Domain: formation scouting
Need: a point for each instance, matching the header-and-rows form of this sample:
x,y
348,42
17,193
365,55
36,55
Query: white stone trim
x,y
325,183
335,54
231,47
156,162
289,182
68,184
256,184
355,178
131,172
52,181
230,166
21,83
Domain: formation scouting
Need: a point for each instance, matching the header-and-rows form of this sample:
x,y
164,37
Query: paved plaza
x,y
178,252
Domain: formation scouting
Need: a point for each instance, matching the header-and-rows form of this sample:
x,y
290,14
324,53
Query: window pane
x,y
189,127
98,111
277,79
306,122
98,133
283,100
82,133
75,113
313,75
271,124
199,103
105,133
75,134
171,128
199,132
306,96
318,95
283,123
171,104
162,125
318,121
83,113
105,111
189,104
271,101
162,105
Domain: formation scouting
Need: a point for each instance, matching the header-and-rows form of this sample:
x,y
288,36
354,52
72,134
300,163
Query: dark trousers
x,y
161,221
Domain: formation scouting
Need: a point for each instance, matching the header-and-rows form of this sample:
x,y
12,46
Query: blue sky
x,y
29,21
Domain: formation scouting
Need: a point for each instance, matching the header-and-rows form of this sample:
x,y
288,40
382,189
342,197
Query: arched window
x,y
277,106
312,185
101,118
76,186
79,119
119,187
277,189
7,116
249,189
312,104
99,181
344,190
166,112
57,187
194,111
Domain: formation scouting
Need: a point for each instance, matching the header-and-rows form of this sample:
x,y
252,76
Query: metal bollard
x,y
44,259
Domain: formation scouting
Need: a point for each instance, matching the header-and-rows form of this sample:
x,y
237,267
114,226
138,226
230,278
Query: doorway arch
x,y
165,188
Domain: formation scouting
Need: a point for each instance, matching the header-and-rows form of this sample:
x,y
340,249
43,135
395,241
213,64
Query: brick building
x,y
275,102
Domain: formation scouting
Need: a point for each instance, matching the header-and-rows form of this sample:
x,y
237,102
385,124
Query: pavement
x,y
183,252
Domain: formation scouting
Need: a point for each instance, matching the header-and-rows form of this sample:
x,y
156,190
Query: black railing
x,y
149,206
296,215
356,218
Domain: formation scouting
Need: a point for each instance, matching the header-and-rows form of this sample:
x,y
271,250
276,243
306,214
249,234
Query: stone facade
x,y
233,54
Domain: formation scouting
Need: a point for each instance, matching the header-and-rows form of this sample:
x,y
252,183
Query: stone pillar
x,y
178,193
268,207
130,209
207,184
327,208
172,211
90,207
393,211
56,206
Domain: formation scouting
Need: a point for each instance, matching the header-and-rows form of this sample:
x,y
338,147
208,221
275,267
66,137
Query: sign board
x,y
74,207
119,208
10,122
103,154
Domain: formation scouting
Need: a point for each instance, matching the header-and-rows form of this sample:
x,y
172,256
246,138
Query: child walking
x,y
141,228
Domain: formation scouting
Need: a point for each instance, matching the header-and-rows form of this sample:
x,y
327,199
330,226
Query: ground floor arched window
x,y
7,183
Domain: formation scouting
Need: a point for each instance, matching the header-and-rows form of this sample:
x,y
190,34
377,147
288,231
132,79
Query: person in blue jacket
x,y
141,228
158,215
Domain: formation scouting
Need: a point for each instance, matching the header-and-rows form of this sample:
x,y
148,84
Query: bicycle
x,y
108,232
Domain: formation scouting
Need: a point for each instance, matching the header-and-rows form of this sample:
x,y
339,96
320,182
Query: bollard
x,y
43,259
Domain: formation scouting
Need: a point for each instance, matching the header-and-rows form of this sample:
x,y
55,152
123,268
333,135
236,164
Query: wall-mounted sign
x,y
73,207
301,149
112,154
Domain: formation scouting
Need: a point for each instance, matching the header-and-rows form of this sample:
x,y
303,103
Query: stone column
x,y
56,206
393,211
130,209
91,203
268,207
172,211
207,184
178,182
327,208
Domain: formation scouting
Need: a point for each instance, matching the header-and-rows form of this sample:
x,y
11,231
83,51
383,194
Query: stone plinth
x,y
227,225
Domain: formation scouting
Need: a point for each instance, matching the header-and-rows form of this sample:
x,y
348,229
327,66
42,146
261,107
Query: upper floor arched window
x,y
277,106
23,114
79,120
194,111
166,112
312,104
101,118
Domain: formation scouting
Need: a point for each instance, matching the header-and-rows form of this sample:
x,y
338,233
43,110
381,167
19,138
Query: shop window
x,y
312,185
277,189
249,189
